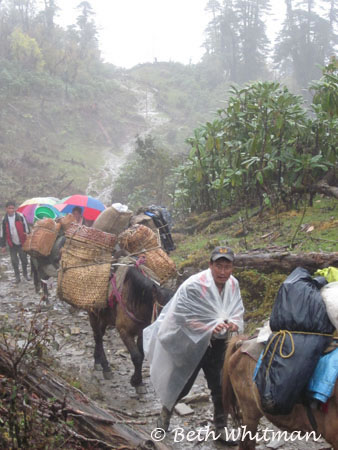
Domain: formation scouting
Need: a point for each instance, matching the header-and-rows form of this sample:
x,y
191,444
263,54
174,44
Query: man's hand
x,y
229,326
221,326
3,250
232,327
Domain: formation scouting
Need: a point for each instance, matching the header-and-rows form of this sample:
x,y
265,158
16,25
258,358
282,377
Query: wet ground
x,y
74,350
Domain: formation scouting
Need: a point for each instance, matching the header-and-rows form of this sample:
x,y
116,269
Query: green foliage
x,y
145,179
325,107
26,50
262,147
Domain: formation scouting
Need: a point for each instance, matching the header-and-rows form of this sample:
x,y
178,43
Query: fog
x,y
139,31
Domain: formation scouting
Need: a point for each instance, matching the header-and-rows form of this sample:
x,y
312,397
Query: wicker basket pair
x,y
142,241
83,278
42,238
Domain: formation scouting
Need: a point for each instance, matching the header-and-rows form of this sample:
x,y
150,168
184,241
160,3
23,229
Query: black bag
x,y
155,212
290,358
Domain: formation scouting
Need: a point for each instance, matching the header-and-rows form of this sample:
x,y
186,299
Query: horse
x,y
130,314
45,267
242,400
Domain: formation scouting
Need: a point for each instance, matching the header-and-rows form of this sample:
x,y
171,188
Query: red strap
x,y
116,296
140,260
115,293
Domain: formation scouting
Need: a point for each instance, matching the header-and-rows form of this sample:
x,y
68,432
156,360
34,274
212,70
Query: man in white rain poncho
x,y
190,334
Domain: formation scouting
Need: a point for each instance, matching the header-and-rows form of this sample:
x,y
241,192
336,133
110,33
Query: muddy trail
x,y
74,356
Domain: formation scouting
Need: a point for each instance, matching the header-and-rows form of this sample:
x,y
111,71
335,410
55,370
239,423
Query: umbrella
x,y
28,207
91,207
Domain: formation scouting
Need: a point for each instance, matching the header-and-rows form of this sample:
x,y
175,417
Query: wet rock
x,y
183,410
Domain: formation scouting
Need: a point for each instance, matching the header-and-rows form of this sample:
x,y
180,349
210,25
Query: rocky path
x,y
74,351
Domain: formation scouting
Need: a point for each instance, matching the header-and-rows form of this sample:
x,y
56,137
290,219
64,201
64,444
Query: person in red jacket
x,y
13,234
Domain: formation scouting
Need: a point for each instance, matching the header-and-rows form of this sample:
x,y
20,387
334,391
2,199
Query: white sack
x,y
330,296
175,343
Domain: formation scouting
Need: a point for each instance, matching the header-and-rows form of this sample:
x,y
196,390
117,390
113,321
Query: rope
x,y
156,308
279,337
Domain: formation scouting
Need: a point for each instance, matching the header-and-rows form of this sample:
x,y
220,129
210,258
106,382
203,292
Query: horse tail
x,y
230,403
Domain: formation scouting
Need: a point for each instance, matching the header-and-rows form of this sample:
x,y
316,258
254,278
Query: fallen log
x,y
285,261
91,422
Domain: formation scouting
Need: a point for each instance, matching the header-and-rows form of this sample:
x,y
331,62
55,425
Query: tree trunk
x,y
90,420
284,261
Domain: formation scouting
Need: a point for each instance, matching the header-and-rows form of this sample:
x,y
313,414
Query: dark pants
x,y
211,364
16,252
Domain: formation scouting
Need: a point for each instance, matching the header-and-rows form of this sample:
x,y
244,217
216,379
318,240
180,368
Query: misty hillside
x,y
68,120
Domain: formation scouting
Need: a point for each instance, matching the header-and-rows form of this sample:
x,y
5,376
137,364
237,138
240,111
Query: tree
x,y
262,149
49,12
87,30
26,50
304,43
146,177
236,36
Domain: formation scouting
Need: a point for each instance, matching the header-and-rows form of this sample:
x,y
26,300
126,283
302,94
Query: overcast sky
x,y
138,31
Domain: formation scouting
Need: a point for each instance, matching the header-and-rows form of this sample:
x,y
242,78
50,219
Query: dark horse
x,y
45,267
130,315
241,398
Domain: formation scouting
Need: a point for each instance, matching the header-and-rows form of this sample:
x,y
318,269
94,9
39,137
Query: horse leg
x,y
141,389
248,440
44,286
100,360
35,273
247,399
136,355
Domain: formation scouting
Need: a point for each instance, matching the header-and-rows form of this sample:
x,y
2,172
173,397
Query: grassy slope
x,y
52,134
184,94
258,289
49,139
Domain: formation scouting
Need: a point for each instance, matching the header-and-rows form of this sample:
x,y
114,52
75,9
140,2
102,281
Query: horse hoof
x,y
108,375
141,389
97,367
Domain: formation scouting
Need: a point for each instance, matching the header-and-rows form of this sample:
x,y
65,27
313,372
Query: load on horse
x,y
242,400
288,379
86,260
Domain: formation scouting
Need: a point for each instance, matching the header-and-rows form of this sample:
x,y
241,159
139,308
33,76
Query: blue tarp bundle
x,y
300,327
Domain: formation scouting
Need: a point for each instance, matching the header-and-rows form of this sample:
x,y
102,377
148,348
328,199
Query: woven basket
x,y
76,253
84,287
89,235
160,263
84,272
42,238
138,238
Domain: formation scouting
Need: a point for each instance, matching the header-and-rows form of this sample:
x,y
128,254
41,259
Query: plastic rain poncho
x,y
176,342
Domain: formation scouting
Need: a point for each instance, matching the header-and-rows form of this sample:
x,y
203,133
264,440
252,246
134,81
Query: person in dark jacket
x,y
13,234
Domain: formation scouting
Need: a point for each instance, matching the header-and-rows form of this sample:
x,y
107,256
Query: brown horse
x,y
130,315
241,399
